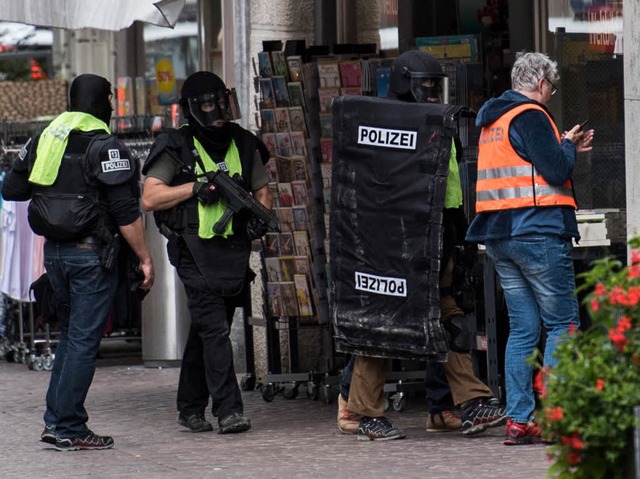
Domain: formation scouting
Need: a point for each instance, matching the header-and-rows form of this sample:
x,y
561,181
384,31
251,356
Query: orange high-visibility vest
x,y
505,180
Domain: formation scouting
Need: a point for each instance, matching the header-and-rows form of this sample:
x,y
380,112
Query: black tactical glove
x,y
206,193
256,228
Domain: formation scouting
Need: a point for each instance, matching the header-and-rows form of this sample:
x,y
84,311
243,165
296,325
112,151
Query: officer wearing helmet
x,y
417,77
83,186
214,267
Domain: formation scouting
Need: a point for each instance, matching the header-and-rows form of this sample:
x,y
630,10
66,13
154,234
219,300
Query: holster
x,y
108,248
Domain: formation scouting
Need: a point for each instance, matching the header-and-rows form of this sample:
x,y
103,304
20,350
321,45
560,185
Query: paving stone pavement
x,y
290,438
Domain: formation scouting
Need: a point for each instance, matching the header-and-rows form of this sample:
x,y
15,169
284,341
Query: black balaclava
x,y
216,140
90,94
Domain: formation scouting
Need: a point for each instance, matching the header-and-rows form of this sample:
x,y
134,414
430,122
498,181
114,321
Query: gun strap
x,y
195,153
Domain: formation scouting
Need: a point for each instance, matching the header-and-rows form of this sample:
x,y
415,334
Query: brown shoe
x,y
444,421
348,422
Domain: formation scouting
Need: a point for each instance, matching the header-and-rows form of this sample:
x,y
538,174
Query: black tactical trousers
x,y
207,368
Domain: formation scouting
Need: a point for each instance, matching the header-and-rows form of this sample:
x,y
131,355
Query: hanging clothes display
x,y
22,251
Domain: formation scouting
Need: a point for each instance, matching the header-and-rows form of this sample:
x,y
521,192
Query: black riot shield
x,y
390,166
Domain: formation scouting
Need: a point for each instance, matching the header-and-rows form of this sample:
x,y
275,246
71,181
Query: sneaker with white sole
x,y
378,429
89,440
480,414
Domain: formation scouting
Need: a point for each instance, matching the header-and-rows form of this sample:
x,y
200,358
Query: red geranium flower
x,y
556,414
573,441
574,458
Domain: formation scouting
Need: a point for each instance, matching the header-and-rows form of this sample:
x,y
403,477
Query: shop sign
x,y
165,80
600,18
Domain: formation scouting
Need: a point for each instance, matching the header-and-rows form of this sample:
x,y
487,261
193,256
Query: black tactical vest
x,y
69,209
183,218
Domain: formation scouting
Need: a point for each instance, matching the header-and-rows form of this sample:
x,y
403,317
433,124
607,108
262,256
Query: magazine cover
x,y
301,243
350,73
264,65
296,94
299,165
286,268
289,298
283,144
272,245
285,216
297,121
300,193
282,120
301,265
285,194
268,98
281,91
294,62
272,265
287,247
328,74
285,169
279,64
275,299
305,307
268,120
298,143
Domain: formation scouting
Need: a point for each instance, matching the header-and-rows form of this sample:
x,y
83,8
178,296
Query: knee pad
x,y
461,338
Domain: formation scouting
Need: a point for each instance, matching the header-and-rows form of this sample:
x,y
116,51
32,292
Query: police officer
x,y
417,77
214,268
84,193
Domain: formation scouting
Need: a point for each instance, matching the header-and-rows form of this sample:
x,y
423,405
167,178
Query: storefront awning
x,y
103,15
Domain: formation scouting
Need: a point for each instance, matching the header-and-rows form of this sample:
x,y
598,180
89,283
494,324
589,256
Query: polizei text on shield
x,y
400,139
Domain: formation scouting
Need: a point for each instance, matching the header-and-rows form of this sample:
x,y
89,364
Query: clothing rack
x,y
27,339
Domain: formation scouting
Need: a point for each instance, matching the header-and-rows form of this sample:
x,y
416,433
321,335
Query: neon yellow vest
x,y
208,215
453,196
53,141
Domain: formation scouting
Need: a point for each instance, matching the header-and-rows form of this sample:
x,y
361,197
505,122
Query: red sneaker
x,y
519,433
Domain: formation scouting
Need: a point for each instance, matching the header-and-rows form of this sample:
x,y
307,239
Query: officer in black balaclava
x,y
83,187
91,94
206,103
213,266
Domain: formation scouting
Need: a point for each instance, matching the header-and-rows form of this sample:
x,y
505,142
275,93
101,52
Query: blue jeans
x,y
536,275
77,278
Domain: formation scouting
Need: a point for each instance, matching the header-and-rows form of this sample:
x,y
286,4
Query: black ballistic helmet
x,y
205,98
91,94
417,76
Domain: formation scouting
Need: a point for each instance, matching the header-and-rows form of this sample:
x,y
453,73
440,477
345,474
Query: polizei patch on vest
x,y
399,139
115,163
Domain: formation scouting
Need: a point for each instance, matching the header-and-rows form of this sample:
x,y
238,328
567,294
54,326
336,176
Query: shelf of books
x,y
294,258
294,99
296,123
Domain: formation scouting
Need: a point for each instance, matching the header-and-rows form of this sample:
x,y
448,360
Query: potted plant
x,y
589,396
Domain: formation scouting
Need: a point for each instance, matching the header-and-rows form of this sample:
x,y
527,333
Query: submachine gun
x,y
236,198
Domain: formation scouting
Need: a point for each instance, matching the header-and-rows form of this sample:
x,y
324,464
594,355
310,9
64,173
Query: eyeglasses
x,y
554,88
